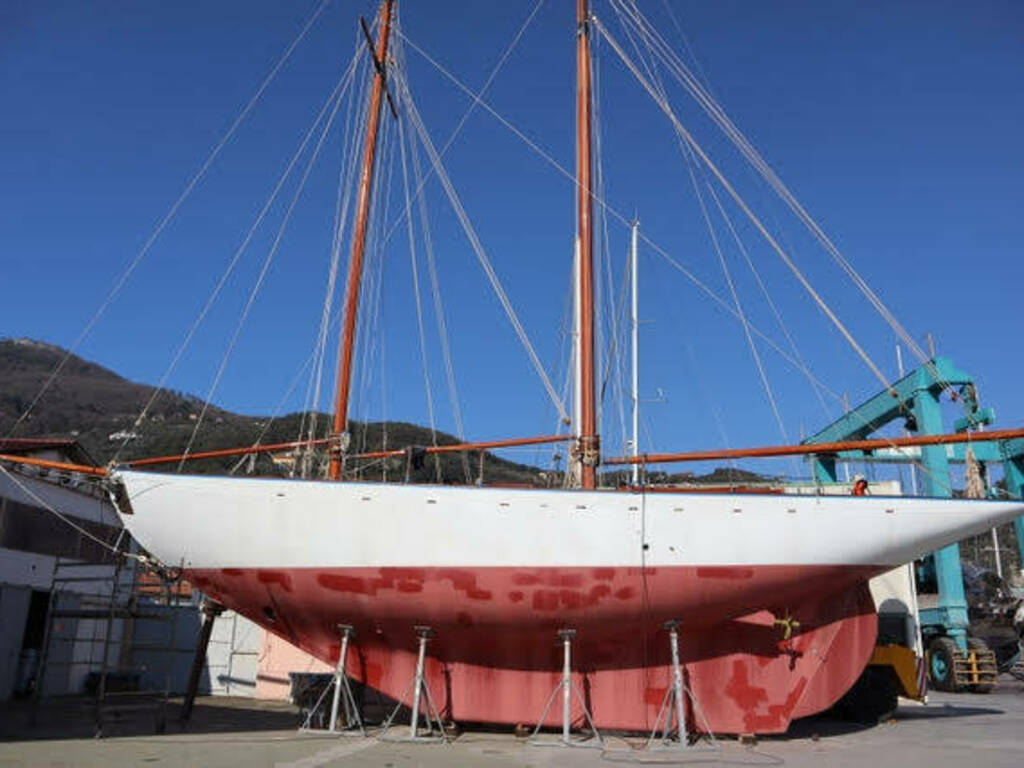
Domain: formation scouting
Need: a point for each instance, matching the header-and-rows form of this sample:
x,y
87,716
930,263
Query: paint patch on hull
x,y
494,658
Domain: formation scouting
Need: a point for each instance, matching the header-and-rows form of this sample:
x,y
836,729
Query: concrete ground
x,y
952,730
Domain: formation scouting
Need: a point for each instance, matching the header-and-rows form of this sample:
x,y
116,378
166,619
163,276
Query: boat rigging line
x,y
658,95
440,317
346,185
366,177
587,192
762,374
419,302
615,213
478,248
714,110
171,213
711,166
66,519
650,66
337,97
477,99
643,458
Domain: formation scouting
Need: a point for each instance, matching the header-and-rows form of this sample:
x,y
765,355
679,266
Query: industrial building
x,y
62,590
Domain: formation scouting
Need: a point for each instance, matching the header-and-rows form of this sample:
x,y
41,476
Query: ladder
x,y
90,619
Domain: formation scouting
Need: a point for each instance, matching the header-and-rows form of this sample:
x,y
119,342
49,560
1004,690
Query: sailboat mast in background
x,y
588,448
635,330
339,434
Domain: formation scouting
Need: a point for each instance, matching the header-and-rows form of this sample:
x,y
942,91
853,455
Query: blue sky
x,y
896,124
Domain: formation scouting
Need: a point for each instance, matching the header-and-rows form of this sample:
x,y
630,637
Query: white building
x,y
32,538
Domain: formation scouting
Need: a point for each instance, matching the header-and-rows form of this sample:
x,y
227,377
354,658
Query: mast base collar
x,y
588,449
340,442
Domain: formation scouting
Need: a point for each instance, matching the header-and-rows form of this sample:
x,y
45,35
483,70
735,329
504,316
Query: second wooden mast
x,y
355,267
588,447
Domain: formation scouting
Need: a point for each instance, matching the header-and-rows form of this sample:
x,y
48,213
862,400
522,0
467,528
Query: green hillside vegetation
x,y
95,405
99,408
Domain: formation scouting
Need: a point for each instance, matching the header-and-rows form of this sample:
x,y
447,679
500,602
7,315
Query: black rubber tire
x,y
942,653
872,698
977,644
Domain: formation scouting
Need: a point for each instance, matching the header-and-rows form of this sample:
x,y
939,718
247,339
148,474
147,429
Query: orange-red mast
x,y
589,445
355,264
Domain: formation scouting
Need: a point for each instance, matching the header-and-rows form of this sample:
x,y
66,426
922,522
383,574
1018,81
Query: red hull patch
x,y
494,658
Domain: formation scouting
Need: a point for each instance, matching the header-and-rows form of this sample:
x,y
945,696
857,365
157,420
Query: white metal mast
x,y
635,327
913,468
574,473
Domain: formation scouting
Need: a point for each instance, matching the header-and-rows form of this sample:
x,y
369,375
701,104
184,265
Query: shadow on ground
x,y
75,718
936,711
825,725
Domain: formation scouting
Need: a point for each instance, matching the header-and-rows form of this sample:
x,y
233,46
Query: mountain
x,y
100,409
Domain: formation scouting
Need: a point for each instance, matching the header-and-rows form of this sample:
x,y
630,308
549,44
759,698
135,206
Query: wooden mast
x,y
589,445
355,264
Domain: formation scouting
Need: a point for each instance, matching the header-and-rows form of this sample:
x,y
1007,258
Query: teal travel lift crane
x,y
956,661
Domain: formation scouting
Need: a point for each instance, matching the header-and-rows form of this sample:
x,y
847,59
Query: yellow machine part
x,y
977,667
904,662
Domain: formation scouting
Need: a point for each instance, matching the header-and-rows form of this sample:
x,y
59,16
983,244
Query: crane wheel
x,y
942,655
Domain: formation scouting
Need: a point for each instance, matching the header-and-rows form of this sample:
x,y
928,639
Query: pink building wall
x,y
277,658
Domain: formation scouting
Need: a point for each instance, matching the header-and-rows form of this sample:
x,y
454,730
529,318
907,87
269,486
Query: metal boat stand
x,y
420,693
567,689
666,736
342,695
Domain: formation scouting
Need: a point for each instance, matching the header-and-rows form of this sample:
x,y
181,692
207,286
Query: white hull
x,y
205,522
495,572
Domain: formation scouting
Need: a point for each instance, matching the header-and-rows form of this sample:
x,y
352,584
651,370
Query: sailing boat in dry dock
x,y
496,572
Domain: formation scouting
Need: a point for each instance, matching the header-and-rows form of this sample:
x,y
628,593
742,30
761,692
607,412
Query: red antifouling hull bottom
x,y
495,658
